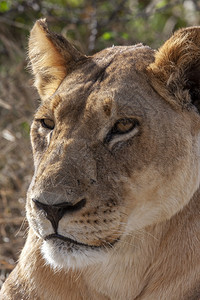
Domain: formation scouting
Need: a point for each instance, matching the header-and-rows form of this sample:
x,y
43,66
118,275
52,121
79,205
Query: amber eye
x,y
48,123
122,126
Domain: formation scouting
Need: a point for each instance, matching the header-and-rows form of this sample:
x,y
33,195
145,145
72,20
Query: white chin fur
x,y
60,258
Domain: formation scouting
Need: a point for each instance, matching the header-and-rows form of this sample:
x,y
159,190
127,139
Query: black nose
x,y
55,212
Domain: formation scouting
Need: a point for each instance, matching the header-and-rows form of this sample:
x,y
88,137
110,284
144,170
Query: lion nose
x,y
55,212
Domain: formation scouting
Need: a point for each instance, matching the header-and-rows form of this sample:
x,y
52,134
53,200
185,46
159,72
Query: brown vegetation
x,y
16,109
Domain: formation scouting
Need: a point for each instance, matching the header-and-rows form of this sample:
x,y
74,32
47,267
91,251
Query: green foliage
x,y
107,36
25,129
125,35
4,6
161,4
93,25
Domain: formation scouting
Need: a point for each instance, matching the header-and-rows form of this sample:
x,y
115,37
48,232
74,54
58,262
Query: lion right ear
x,y
175,73
52,57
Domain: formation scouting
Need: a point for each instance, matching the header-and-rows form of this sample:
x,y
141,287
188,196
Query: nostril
x,y
56,211
69,207
51,213
40,205
66,206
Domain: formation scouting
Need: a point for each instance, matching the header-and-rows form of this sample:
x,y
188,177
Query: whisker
x,y
21,226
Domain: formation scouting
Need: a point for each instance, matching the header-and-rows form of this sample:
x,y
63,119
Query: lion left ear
x,y
175,73
52,57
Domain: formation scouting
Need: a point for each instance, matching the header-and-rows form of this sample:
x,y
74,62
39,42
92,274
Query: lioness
x,y
113,207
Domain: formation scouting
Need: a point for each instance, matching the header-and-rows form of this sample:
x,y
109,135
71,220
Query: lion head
x,y
115,142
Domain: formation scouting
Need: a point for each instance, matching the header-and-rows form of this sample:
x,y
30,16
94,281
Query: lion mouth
x,y
70,241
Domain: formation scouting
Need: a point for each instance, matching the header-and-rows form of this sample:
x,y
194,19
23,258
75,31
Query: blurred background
x,y
90,26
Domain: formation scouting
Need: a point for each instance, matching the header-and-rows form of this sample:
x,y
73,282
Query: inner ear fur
x,y
175,73
52,57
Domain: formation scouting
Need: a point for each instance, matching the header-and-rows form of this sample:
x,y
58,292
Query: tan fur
x,y
49,61
172,63
140,218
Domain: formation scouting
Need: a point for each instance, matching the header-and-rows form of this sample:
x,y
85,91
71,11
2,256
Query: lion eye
x,y
124,126
48,123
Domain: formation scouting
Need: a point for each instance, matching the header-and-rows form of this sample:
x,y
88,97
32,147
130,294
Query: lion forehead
x,y
109,76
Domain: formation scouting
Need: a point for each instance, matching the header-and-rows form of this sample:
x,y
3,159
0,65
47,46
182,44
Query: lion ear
x,y
175,73
51,56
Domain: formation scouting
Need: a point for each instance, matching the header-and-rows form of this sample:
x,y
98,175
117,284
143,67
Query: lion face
x,y
111,155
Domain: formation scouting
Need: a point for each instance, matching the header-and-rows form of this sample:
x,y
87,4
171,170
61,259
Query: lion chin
x,y
62,255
